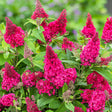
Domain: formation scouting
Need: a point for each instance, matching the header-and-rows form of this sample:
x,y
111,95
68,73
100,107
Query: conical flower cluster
x,y
89,30
55,27
68,44
39,11
107,31
99,82
14,35
31,106
90,51
10,77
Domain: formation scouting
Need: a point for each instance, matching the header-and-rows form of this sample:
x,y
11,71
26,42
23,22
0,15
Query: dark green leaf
x,y
64,88
62,108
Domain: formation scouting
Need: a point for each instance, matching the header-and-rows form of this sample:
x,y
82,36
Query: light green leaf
x,y
48,111
69,106
64,88
5,45
78,92
45,100
6,55
104,72
38,34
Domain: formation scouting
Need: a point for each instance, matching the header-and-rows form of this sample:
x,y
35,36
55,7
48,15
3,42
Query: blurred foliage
x,y
19,10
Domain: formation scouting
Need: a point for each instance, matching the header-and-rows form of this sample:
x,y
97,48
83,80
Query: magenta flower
x,y
68,44
45,87
31,106
89,30
7,100
107,31
39,11
95,98
90,51
55,27
99,82
10,77
78,109
14,35
29,79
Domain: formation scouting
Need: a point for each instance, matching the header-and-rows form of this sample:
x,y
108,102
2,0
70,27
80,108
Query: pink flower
x,y
99,82
68,44
7,100
97,101
10,77
14,35
90,51
39,11
31,106
107,31
89,30
78,109
59,25
86,95
95,98
55,27
29,79
53,65
105,61
45,87
55,71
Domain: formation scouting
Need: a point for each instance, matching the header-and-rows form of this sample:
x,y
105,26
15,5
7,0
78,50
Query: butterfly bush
x,y
44,70
7,100
90,51
107,32
14,35
31,106
10,77
89,30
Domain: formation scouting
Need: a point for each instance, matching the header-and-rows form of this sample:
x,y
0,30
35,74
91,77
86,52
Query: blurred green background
x,y
19,10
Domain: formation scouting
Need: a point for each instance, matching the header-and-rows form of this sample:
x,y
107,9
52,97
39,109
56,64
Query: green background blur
x,y
19,10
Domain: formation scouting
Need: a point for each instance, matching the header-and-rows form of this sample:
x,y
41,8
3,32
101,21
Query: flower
x,y
107,31
78,109
89,30
55,27
29,79
55,71
53,65
7,100
45,87
31,106
68,44
95,99
10,77
39,11
105,61
14,35
99,82
90,51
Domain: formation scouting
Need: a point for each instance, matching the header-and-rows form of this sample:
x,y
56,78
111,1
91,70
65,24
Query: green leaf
x,y
5,45
54,104
105,73
62,108
78,92
64,88
79,104
20,49
38,34
31,44
31,21
2,28
45,100
69,106
6,55
48,111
